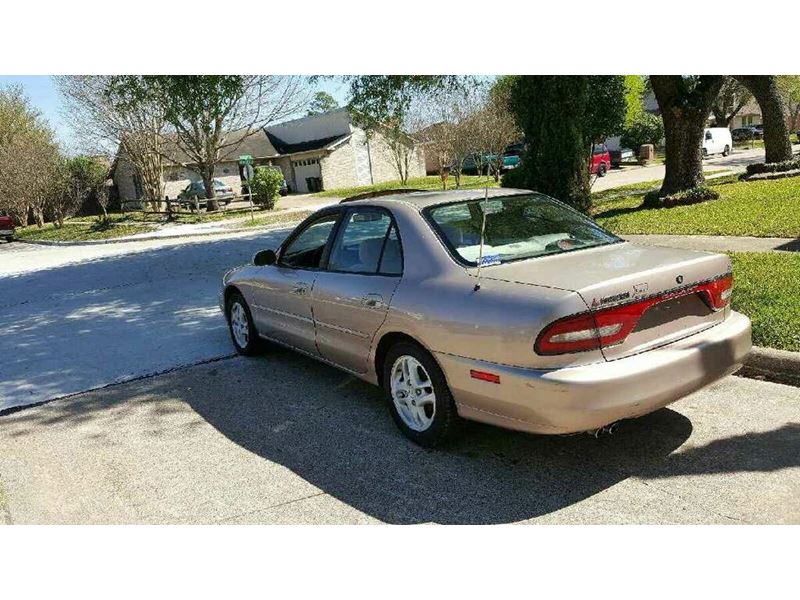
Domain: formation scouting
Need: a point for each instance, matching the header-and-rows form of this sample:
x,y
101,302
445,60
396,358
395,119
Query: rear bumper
x,y
6,232
587,397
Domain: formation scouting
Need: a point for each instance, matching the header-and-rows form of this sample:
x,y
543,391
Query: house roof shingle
x,y
305,146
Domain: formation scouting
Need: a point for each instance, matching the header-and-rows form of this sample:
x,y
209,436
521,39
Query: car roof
x,y
421,200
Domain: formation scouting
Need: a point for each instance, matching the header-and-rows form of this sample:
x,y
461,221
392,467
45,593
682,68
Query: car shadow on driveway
x,y
336,433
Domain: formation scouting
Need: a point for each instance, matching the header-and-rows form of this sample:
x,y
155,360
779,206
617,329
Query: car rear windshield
x,y
517,227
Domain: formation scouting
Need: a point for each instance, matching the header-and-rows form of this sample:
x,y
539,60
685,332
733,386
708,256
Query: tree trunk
x,y
684,109
207,173
764,88
684,150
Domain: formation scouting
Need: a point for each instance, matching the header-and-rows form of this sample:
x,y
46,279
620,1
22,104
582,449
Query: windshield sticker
x,y
488,261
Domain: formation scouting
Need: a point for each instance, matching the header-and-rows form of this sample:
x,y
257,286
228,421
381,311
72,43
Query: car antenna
x,y
483,235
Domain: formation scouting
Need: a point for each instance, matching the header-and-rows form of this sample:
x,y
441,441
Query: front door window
x,y
306,249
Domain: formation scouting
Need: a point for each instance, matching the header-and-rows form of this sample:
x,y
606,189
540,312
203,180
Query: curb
x,y
779,366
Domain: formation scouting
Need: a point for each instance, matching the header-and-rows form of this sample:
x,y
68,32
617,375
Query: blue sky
x,y
44,96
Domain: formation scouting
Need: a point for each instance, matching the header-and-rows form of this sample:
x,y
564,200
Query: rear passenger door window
x,y
367,243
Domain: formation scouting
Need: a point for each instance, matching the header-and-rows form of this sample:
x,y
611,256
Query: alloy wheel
x,y
412,393
240,327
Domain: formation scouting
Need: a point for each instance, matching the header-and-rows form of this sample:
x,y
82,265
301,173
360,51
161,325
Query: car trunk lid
x,y
666,281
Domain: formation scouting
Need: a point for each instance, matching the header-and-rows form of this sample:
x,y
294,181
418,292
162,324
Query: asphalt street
x,y
79,317
736,161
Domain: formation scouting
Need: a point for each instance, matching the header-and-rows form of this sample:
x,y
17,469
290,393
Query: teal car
x,y
511,160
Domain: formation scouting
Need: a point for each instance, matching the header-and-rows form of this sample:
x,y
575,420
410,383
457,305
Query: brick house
x,y
318,152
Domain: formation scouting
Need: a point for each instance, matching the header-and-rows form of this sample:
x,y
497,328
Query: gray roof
x,y
256,144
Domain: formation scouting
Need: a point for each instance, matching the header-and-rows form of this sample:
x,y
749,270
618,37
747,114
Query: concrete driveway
x,y
284,439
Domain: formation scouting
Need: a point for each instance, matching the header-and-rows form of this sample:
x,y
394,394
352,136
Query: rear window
x,y
517,227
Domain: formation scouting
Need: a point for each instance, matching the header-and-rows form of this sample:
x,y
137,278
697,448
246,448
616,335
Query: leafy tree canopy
x,y
322,103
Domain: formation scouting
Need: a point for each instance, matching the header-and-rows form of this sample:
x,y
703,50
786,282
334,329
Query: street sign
x,y
245,159
247,171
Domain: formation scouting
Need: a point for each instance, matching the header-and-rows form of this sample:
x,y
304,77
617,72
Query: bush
x,y
266,186
513,179
778,167
692,196
646,129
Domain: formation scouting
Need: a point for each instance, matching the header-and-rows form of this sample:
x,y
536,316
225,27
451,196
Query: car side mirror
x,y
265,258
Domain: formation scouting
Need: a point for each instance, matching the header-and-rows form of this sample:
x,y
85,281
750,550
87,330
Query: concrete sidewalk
x,y
719,243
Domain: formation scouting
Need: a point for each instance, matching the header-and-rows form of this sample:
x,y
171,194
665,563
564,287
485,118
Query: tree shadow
x,y
791,246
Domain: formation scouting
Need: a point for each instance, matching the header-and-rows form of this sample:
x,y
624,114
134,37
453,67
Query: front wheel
x,y
601,170
420,401
726,151
240,323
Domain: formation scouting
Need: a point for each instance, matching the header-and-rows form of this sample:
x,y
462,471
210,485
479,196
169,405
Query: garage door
x,y
304,170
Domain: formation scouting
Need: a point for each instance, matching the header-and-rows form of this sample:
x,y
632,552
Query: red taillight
x,y
603,328
719,291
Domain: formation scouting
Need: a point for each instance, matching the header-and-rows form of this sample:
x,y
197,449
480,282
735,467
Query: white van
x,y
717,140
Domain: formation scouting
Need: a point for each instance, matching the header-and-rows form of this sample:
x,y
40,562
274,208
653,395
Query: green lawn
x,y
418,183
767,289
756,208
81,231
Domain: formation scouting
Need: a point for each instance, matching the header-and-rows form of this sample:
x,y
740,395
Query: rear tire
x,y
601,170
726,151
418,396
240,325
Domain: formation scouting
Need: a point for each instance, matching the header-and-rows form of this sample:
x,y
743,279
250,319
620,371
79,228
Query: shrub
x,y
692,196
778,167
513,179
646,129
266,186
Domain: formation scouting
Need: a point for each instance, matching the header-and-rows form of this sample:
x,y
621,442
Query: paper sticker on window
x,y
488,261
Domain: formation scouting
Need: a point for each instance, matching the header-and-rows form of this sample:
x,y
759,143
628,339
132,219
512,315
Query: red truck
x,y
601,160
6,228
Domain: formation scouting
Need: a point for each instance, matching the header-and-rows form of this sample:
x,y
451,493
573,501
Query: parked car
x,y
222,193
7,230
759,129
601,160
620,156
717,140
746,133
617,152
511,160
545,322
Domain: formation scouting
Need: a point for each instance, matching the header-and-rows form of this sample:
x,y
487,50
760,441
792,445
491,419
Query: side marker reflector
x,y
484,376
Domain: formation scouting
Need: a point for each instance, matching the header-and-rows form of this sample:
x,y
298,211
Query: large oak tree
x,y
685,103
767,92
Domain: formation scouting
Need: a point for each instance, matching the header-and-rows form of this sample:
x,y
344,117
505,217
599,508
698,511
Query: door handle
x,y
372,301
300,288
